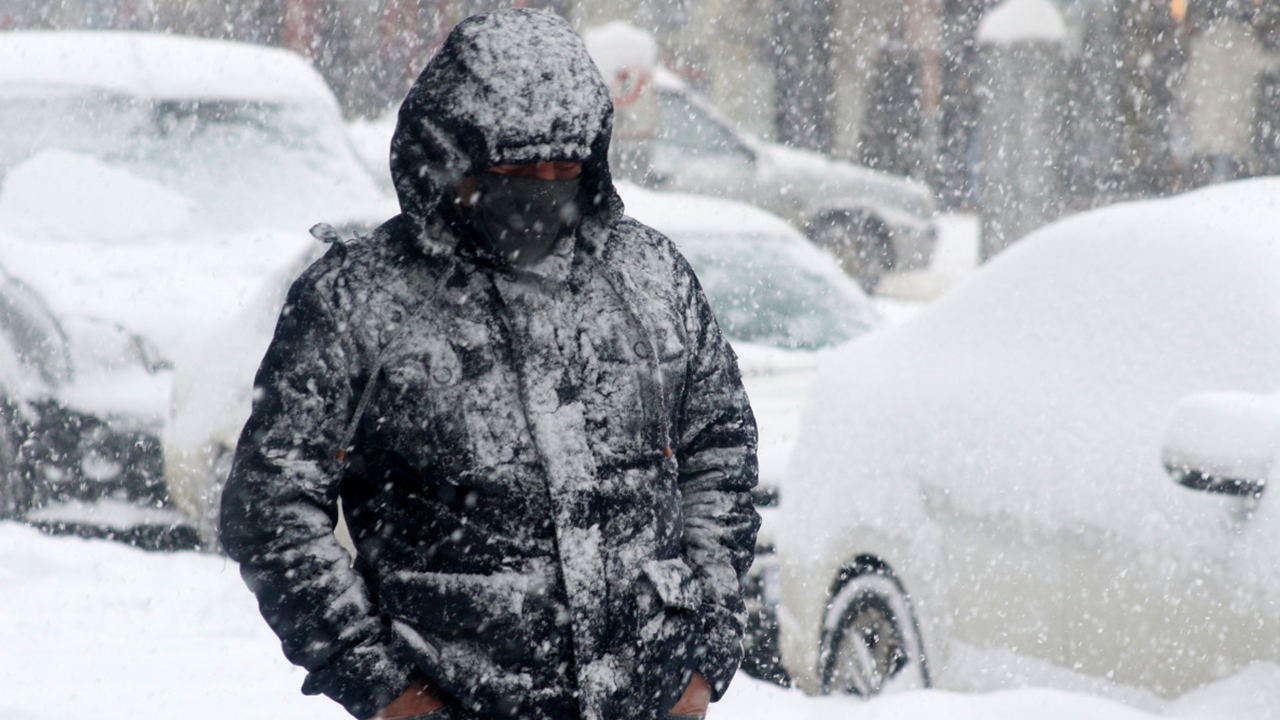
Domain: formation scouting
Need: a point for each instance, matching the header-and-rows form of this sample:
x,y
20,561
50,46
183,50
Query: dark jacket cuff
x,y
365,678
722,648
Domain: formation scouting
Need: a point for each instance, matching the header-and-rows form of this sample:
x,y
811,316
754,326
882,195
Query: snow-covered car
x,y
991,474
872,221
82,402
159,179
780,300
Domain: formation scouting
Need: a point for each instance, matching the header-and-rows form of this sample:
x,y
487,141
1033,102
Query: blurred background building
x,y
1153,96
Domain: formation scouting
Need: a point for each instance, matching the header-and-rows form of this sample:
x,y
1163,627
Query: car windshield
x,y
243,163
765,291
690,128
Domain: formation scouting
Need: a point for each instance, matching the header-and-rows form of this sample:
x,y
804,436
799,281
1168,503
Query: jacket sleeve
x,y
717,459
279,510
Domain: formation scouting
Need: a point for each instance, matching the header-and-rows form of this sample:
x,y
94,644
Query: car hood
x,y
94,238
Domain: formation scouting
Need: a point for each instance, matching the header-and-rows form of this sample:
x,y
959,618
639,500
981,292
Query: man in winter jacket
x,y
521,400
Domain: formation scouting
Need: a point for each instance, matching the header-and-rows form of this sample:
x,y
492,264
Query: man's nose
x,y
545,171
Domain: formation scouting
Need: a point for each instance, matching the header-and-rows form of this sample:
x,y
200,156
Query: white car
x,y
991,474
780,300
158,179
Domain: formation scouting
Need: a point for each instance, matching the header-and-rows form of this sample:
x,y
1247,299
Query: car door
x,y
1173,620
1004,579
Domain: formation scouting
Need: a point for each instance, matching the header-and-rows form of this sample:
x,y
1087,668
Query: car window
x,y
692,129
764,291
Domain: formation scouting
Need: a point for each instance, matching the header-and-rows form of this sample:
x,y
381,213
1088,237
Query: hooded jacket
x,y
548,484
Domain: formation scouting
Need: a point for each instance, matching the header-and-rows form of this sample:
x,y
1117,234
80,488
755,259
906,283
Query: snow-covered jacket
x,y
549,483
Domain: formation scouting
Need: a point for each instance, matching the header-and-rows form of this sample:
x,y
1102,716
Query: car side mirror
x,y
1224,443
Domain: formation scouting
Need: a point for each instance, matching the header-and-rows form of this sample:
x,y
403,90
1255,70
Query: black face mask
x,y
520,218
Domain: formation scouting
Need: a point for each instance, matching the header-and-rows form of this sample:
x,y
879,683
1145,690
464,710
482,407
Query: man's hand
x,y
417,700
695,699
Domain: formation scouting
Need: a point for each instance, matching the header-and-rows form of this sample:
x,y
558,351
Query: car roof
x,y
153,65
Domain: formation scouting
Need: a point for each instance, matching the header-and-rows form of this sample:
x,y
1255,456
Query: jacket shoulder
x,y
634,247
366,261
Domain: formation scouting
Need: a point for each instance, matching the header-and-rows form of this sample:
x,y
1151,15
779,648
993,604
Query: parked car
x,y
158,179
82,402
991,474
781,301
872,221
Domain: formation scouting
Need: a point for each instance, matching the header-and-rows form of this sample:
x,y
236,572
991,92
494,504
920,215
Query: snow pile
x,y
1022,21
617,46
68,195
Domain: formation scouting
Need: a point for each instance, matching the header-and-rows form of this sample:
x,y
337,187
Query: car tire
x,y
15,486
859,242
871,641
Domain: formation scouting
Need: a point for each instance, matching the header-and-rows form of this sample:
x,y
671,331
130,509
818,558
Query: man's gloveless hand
x,y
417,700
696,697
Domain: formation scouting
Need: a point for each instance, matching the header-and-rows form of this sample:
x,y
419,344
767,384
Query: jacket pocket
x,y
675,583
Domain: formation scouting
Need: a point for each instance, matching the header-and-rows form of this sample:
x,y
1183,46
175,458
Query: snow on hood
x,y
153,65
513,86
1038,391
70,195
1022,21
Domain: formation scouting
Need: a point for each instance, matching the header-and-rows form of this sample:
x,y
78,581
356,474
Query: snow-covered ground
x,y
94,630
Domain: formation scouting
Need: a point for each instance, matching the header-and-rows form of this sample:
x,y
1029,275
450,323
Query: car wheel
x,y
15,486
860,243
870,640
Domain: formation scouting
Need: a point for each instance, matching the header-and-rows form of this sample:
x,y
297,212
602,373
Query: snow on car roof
x,y
1037,392
154,65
